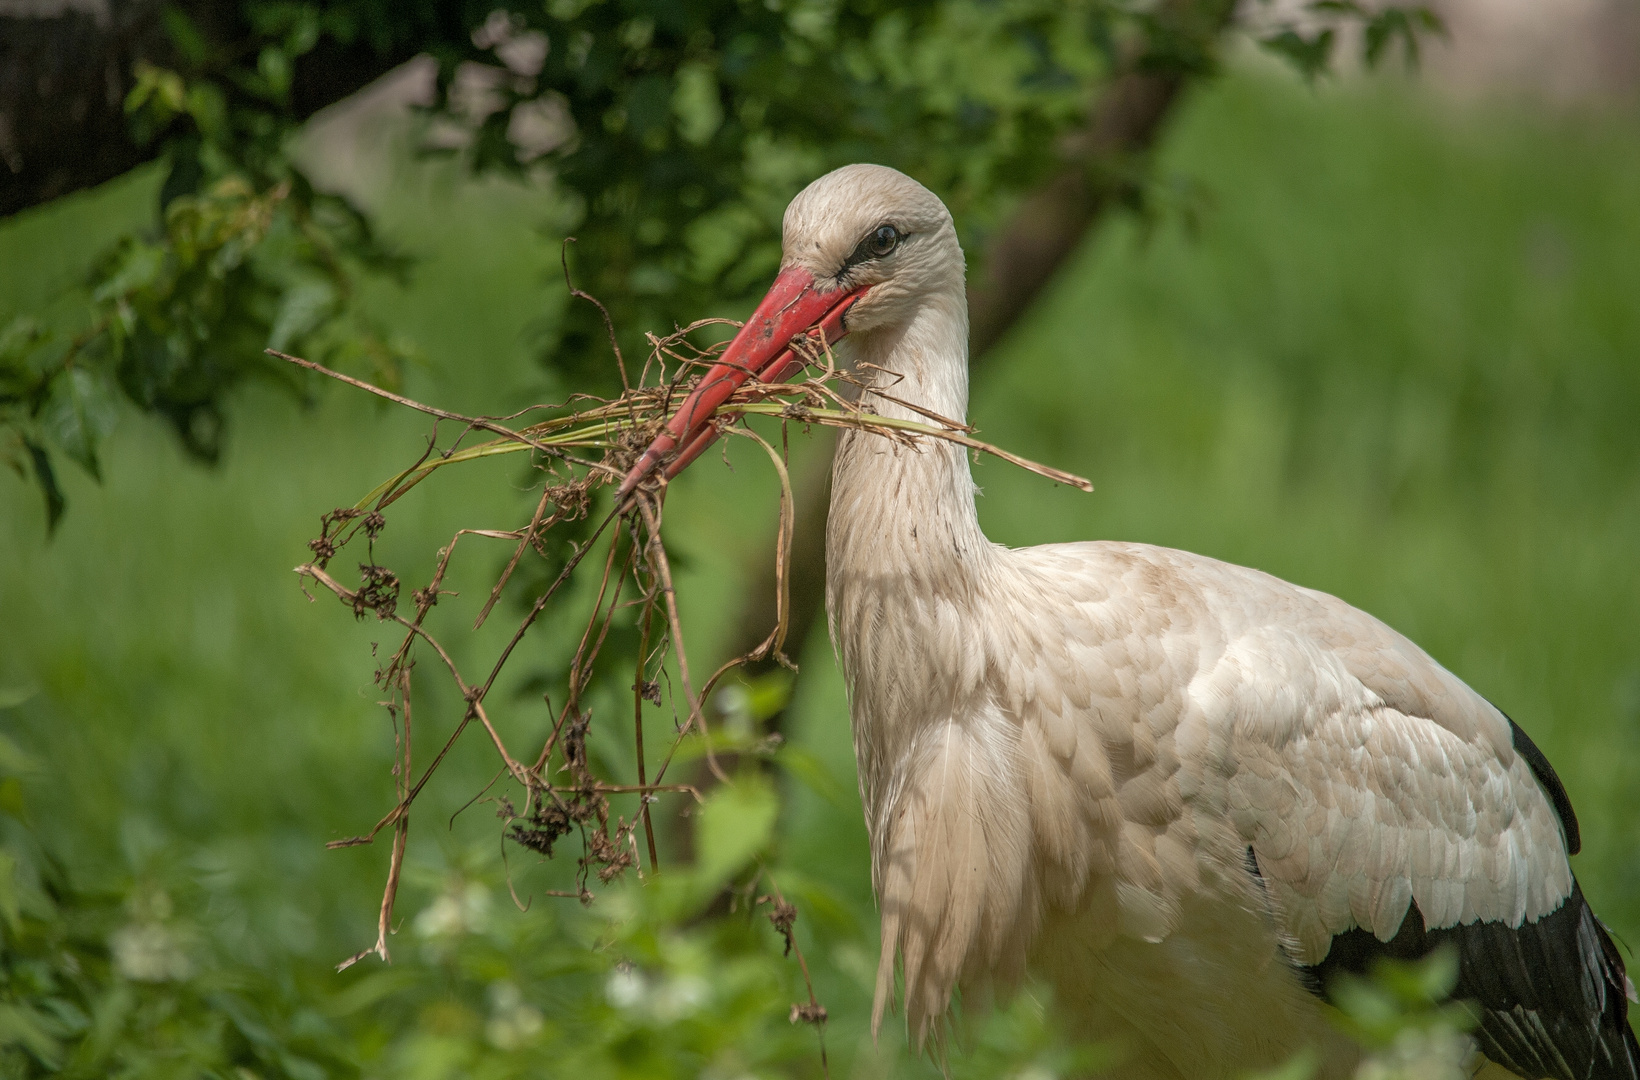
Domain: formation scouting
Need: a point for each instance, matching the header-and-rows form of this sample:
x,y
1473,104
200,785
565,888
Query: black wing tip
x,y
1546,775
1551,994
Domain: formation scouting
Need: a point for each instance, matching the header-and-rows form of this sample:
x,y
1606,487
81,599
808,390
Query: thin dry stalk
x,y
401,834
783,916
640,694
655,551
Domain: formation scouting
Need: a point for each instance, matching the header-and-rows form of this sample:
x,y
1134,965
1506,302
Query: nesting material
x,y
580,448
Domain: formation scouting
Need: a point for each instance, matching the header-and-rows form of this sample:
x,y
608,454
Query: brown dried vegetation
x,y
579,448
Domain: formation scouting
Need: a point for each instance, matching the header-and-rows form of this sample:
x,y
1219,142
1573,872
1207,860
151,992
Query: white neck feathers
x,y
908,569
907,512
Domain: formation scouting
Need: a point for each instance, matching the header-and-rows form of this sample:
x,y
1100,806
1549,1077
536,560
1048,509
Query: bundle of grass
x,y
580,448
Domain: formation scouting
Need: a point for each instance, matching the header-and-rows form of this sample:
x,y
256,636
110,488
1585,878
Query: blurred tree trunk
x,y
1104,167
66,67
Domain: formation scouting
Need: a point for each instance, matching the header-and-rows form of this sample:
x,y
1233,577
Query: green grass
x,y
1400,362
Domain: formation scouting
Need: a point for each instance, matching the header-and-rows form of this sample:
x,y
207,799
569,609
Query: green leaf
x,y
1311,56
19,339
14,760
1405,23
79,413
209,107
274,67
304,307
185,36
697,104
11,906
1401,996
46,477
131,266
769,694
803,764
733,827
10,698
1301,1066
28,1028
159,86
304,32
1379,31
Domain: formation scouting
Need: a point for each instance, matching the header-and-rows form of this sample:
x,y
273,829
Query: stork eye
x,y
877,243
883,241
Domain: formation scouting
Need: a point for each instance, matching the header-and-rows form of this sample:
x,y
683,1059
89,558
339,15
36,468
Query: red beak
x,y
792,308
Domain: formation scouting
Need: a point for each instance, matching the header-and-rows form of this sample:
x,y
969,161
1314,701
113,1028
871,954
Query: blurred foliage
x,y
93,986
1401,1016
645,984
1308,42
245,255
686,127
673,133
654,981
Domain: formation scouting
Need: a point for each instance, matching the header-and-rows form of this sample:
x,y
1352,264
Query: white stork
x,y
1184,792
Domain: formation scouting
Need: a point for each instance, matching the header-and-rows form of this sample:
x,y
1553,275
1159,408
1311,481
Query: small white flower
x,y
463,909
513,1021
1437,1054
680,996
626,988
149,952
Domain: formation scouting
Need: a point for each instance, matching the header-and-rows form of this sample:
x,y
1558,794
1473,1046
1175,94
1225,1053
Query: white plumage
x,y
1172,786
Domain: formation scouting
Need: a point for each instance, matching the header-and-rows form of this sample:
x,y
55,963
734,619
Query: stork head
x,y
863,247
874,233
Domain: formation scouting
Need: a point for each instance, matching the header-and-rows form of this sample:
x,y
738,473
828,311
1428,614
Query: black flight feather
x,y
1545,774
1550,994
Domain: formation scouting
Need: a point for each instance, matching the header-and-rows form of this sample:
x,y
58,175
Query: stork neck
x,y
923,361
897,508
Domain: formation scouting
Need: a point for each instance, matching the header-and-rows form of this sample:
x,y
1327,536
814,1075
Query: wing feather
x,y
1167,714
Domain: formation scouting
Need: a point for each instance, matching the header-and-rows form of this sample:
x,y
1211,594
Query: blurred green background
x,y
1390,350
